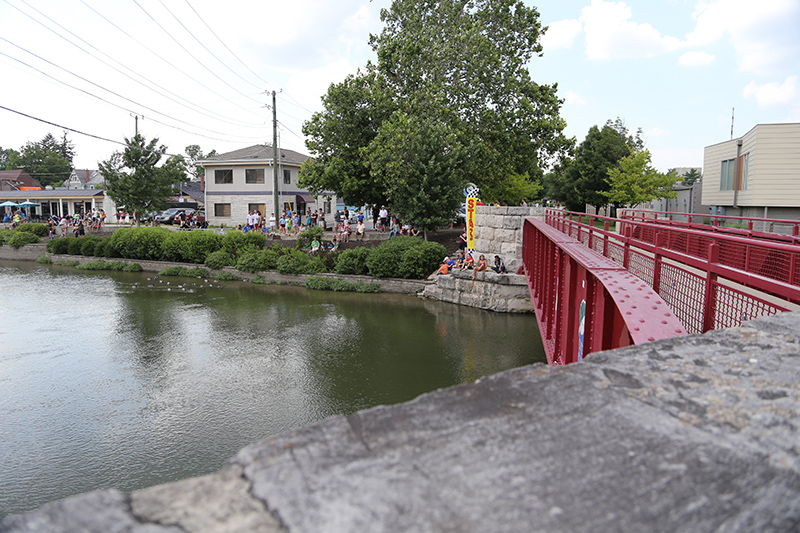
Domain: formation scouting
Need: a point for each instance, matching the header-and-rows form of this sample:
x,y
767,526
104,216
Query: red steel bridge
x,y
599,283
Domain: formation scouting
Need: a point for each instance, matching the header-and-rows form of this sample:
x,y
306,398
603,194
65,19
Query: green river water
x,y
117,380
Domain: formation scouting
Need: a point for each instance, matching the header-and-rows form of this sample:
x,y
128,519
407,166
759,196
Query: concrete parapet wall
x,y
697,433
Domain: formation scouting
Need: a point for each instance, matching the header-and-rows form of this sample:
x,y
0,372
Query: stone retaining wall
x,y
504,293
696,433
499,232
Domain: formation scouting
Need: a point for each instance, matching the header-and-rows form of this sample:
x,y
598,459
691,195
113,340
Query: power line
x,y
193,107
226,46
206,48
192,55
161,58
107,101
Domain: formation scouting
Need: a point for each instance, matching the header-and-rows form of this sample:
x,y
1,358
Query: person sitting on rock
x,y
499,266
480,266
469,262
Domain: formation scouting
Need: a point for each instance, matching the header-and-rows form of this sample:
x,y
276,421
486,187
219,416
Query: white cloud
x,y
695,59
774,93
763,34
561,34
610,34
573,98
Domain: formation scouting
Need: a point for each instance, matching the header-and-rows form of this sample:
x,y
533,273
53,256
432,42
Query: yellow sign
x,y
471,205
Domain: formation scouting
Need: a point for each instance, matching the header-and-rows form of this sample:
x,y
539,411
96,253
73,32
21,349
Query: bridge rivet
x,y
663,321
635,329
651,338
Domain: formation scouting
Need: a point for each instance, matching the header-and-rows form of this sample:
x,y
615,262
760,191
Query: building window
x,y
727,175
261,208
222,210
254,175
733,178
287,177
327,206
223,176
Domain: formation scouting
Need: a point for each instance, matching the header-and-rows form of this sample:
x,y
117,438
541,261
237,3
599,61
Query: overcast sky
x,y
201,71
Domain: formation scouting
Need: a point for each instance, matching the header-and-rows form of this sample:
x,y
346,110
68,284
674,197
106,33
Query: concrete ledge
x,y
696,433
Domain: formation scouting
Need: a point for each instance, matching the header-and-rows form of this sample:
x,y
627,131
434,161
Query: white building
x,y
238,182
756,175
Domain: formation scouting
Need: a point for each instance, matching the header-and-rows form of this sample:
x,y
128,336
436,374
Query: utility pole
x,y
275,199
136,118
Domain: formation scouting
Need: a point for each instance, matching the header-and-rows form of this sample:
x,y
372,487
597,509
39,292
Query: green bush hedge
x,y
44,260
322,283
295,261
5,235
74,246
237,243
138,243
40,230
90,245
224,276
307,235
190,246
99,264
58,246
218,259
405,257
352,261
259,261
21,239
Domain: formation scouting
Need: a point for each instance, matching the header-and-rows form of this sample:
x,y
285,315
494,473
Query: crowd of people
x,y
78,224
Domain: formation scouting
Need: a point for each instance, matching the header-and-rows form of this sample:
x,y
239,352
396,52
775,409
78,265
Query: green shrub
x,y
419,261
405,257
132,267
236,243
352,261
173,271
74,246
21,239
99,264
90,244
68,262
225,276
307,235
138,243
297,262
258,261
218,259
197,272
44,260
40,230
5,235
190,246
58,246
323,283
259,280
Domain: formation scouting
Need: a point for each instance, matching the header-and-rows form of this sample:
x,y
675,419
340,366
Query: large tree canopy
x,y
49,161
133,180
461,64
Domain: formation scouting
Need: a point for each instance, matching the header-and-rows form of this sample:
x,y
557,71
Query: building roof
x,y
49,194
258,152
18,178
193,189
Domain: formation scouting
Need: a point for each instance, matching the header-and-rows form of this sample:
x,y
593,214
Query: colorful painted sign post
x,y
471,192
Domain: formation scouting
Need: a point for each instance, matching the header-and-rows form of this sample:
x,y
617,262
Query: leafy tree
x,y
194,154
692,176
5,156
636,181
134,180
459,65
421,165
352,116
48,160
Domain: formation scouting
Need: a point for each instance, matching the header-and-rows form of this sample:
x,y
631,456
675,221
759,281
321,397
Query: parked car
x,y
169,216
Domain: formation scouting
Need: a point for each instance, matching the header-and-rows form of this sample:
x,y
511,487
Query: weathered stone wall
x,y
504,293
499,232
696,433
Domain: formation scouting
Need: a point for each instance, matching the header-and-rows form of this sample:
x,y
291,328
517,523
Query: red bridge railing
x,y
585,302
710,280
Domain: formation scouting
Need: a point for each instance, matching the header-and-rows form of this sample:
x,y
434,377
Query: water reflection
x,y
116,380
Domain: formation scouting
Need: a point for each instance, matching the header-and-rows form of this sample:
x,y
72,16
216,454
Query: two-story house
x,y
242,181
756,175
